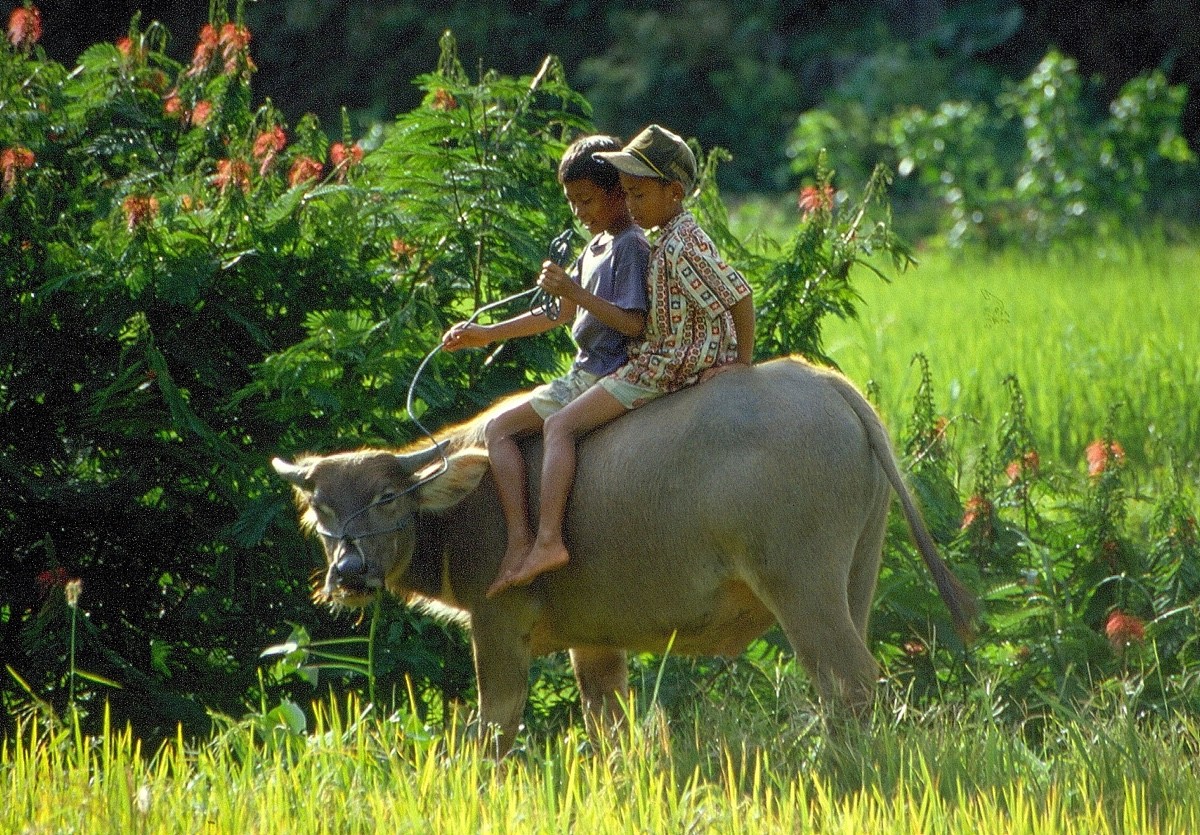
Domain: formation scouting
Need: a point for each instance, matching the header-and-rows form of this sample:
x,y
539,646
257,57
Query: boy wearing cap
x,y
699,323
607,285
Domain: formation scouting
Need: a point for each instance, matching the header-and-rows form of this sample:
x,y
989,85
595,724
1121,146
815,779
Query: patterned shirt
x,y
688,324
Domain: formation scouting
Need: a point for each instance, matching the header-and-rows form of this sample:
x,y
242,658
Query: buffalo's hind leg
x,y
603,678
815,615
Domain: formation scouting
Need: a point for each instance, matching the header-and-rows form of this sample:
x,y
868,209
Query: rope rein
x,y
541,303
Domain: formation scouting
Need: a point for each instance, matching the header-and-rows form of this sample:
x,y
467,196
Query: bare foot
x,y
544,557
514,557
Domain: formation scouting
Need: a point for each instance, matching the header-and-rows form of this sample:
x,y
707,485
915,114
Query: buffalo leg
x,y
828,644
823,632
864,571
502,661
603,678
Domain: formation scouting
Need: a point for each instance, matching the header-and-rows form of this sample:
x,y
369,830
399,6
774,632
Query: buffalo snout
x,y
352,573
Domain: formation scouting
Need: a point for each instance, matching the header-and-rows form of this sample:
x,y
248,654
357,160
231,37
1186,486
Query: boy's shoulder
x,y
631,237
685,233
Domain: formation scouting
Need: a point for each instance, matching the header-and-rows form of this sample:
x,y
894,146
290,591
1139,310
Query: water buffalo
x,y
697,521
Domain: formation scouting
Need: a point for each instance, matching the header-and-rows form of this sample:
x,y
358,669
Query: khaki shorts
x,y
551,397
629,395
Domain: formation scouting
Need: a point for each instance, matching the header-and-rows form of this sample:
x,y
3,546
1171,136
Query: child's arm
x,y
465,335
554,280
743,327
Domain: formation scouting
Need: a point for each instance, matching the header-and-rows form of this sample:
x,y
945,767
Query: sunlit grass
x,y
1092,339
947,771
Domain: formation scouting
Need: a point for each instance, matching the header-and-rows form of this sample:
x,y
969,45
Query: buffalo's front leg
x,y
603,678
502,660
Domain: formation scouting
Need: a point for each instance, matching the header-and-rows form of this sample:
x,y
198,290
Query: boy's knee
x,y
492,431
557,426
499,431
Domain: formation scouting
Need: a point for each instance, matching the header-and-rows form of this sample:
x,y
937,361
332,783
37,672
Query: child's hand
x,y
464,335
554,280
708,373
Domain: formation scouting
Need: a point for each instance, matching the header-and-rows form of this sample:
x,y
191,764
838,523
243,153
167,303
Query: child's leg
x,y
508,471
592,409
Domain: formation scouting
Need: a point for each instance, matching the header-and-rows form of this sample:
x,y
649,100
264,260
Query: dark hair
x,y
579,164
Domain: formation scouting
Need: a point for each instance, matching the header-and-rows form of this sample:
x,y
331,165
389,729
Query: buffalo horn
x,y
291,473
413,461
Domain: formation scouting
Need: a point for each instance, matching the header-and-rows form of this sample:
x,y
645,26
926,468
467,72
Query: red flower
x,y
130,51
201,112
1100,454
443,100
402,248
343,157
267,146
1124,629
813,199
235,45
139,210
206,49
339,154
173,106
978,511
24,27
234,172
51,578
303,170
12,161
1027,464
269,142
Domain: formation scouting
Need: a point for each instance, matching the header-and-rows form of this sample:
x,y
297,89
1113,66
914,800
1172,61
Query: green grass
x,y
715,772
1090,339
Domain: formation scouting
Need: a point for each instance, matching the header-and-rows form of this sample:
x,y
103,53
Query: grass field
x,y
1096,773
1090,339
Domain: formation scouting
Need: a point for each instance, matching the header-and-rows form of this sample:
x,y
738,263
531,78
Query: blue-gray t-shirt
x,y
613,268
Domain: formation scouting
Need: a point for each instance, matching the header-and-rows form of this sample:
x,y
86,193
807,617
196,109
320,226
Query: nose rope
x,y
349,540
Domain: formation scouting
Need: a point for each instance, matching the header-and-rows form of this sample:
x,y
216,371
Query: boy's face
x,y
597,209
651,201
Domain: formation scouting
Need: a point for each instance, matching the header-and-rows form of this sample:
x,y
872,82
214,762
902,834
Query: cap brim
x,y
627,163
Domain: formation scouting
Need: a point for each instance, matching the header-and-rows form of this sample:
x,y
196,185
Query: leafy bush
x,y
1078,598
197,287
1042,165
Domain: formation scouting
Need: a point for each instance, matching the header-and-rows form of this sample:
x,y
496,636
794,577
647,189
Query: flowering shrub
x,y
173,254
1070,587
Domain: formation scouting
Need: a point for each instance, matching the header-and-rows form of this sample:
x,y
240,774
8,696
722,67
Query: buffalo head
x,y
364,504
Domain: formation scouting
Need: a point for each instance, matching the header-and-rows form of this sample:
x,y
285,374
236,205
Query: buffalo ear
x,y
293,474
463,473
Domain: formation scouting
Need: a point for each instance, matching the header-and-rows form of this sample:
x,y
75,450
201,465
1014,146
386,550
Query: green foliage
x,y
1042,165
810,279
1075,600
196,288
